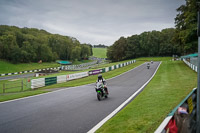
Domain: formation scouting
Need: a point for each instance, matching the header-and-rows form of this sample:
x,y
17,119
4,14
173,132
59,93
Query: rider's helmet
x,y
99,76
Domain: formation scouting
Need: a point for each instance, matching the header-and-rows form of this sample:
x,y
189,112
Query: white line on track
x,y
121,106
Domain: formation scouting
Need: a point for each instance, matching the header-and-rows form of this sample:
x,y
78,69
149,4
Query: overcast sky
x,y
91,21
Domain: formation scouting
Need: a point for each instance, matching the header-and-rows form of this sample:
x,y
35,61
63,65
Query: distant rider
x,y
148,65
101,79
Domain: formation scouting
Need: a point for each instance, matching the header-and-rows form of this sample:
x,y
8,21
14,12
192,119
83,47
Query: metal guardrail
x,y
188,102
72,67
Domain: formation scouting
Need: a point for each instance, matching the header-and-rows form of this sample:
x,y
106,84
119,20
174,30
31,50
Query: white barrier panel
x,y
77,75
61,78
113,67
124,64
107,69
196,68
117,66
36,83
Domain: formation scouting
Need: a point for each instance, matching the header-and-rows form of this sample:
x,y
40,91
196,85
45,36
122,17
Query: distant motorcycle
x,y
101,93
148,65
151,62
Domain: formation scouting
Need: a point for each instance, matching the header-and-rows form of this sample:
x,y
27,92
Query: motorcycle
x,y
148,66
101,93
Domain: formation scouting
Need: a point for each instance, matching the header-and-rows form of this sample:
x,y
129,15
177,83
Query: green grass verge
x,y
99,52
171,84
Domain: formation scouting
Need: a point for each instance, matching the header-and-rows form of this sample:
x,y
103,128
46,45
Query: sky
x,y
91,21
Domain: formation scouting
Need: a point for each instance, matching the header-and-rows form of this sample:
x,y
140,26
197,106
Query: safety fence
x,y
189,103
30,71
192,66
41,82
72,67
188,121
67,67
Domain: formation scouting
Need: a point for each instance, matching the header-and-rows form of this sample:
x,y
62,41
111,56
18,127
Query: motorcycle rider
x,y
101,79
148,65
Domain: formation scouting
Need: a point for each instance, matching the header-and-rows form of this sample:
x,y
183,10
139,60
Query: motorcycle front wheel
x,y
99,96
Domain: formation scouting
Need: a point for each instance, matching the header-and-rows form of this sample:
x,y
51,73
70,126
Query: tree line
x,y
180,40
21,45
100,46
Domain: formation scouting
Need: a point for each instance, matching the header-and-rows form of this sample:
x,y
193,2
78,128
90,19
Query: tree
x,y
32,45
186,27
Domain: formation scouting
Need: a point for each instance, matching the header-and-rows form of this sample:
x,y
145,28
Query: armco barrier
x,y
36,70
190,103
193,67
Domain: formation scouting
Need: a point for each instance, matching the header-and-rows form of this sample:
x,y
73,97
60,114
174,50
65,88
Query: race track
x,y
71,110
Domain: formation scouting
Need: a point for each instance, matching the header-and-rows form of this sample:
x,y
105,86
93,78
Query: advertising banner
x,y
94,72
61,78
77,75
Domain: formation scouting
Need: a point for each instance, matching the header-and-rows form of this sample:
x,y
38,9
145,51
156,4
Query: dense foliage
x,y
179,41
31,45
186,27
154,43
100,46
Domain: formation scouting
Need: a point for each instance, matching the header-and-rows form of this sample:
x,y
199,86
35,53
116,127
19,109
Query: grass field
x,y
172,83
99,52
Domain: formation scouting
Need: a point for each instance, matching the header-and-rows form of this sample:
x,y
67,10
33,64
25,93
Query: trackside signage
x,y
77,75
94,72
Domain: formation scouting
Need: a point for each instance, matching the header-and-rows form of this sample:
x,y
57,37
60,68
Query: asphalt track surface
x,y
70,110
